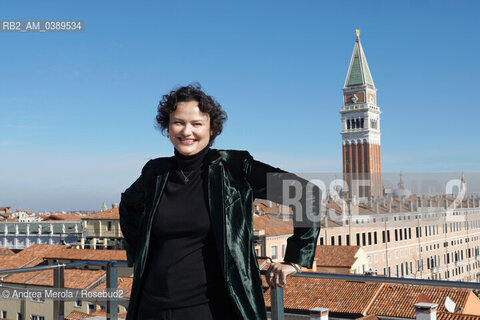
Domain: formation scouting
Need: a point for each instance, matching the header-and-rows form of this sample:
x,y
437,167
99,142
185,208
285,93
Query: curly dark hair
x,y
206,104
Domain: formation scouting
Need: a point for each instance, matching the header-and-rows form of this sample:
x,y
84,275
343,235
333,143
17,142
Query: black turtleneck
x,y
184,269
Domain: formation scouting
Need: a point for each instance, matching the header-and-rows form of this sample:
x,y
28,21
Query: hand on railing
x,y
278,272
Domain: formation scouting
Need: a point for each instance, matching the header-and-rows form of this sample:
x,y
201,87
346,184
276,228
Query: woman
x,y
187,222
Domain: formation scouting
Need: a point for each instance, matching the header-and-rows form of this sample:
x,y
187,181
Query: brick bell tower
x,y
361,128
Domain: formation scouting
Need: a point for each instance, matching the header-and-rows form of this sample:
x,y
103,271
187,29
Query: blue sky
x,y
77,110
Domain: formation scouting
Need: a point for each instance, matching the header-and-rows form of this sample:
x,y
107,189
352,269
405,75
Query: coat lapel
x,y
215,203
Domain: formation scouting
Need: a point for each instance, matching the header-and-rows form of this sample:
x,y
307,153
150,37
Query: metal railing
x,y
277,299
59,282
276,294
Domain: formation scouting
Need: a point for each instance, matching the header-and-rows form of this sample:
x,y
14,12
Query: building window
x,y
37,317
284,247
274,252
339,239
78,303
332,240
321,241
364,239
91,307
348,239
19,316
109,226
369,238
4,313
375,237
358,239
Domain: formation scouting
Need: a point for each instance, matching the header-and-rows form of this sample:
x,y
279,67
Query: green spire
x,y
358,72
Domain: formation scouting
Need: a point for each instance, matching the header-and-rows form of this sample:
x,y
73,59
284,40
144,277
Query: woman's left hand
x,y
278,272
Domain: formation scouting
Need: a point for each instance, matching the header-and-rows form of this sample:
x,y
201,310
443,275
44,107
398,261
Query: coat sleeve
x,y
267,182
131,209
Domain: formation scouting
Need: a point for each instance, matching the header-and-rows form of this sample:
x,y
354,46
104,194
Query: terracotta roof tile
x,y
456,316
336,256
37,253
124,283
74,278
6,251
102,313
272,225
396,300
28,257
77,315
369,317
66,253
336,295
63,217
379,299
423,298
107,214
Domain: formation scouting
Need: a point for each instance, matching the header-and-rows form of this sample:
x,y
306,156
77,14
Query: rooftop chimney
x,y
318,314
425,309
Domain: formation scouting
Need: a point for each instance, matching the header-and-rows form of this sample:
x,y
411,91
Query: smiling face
x,y
189,128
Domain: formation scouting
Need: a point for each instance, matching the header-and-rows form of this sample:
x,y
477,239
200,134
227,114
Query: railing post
x,y
59,283
112,304
276,297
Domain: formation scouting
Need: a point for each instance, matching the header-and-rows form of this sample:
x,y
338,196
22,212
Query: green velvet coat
x,y
231,192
